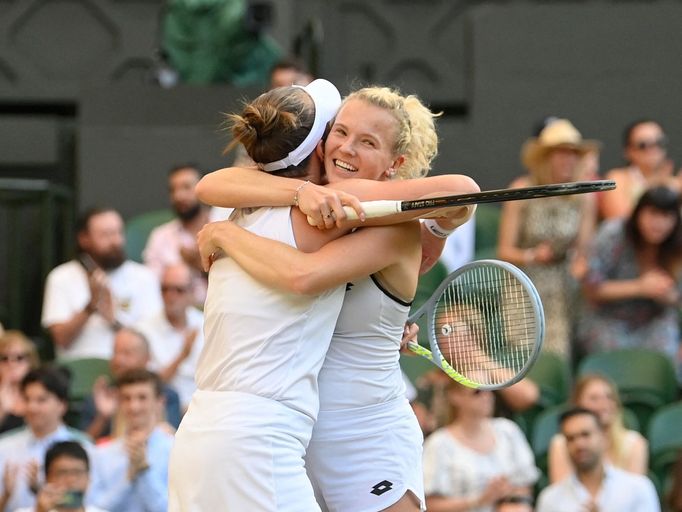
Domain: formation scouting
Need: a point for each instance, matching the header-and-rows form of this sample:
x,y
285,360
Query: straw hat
x,y
560,133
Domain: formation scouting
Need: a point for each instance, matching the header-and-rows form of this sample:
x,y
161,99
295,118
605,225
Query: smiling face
x,y
361,143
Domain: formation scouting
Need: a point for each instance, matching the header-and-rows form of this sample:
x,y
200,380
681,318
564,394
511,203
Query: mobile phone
x,y
71,499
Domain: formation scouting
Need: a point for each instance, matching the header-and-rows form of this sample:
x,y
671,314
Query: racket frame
x,y
429,311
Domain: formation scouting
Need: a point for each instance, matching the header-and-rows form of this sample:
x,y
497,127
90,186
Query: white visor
x,y
327,101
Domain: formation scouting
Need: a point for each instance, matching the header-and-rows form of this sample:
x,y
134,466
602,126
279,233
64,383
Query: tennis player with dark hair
x,y
354,460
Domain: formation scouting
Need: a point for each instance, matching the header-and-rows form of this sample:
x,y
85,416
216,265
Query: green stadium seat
x,y
83,372
138,229
552,374
645,378
487,219
665,439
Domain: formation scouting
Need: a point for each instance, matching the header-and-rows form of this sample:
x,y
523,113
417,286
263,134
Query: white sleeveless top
x,y
263,341
362,366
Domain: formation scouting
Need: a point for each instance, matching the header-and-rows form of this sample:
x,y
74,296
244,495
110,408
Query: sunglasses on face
x,y
171,288
13,358
641,145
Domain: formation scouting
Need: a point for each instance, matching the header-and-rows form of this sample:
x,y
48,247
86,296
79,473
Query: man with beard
x,y
87,299
176,241
595,486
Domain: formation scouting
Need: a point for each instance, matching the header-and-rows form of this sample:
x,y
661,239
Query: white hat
x,y
327,101
559,133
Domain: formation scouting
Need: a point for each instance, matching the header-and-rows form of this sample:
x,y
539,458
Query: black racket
x,y
384,208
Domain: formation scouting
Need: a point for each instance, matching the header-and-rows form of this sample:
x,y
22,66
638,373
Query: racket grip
x,y
374,209
371,208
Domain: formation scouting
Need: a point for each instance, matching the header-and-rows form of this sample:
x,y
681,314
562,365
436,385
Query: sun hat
x,y
559,133
327,100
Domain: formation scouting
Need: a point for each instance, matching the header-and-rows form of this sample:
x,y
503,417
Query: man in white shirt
x,y
87,299
176,240
595,486
176,334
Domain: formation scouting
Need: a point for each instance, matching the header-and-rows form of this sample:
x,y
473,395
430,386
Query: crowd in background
x,y
607,267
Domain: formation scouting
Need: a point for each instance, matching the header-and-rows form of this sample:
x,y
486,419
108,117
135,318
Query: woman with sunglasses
x,y
645,151
18,356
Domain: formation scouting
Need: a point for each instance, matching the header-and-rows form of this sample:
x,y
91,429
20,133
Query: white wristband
x,y
437,230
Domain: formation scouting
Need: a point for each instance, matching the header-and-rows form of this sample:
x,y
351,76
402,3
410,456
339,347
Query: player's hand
x,y
409,335
208,241
324,206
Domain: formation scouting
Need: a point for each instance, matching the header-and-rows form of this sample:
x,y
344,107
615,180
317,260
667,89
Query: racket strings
x,y
485,325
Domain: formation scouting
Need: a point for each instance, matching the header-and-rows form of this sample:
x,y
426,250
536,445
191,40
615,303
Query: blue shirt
x,y
148,492
19,447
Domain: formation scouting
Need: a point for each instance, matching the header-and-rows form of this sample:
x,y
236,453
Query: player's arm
x,y
248,187
276,264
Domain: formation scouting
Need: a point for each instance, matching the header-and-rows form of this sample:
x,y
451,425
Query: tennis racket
x,y
485,325
384,208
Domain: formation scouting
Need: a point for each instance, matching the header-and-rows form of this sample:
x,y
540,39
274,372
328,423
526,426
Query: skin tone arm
x,y
653,284
617,203
243,187
497,487
359,254
520,396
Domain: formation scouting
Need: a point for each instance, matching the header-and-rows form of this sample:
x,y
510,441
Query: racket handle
x,y
371,208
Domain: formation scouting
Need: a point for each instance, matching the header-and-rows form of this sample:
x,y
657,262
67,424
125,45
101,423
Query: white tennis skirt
x,y
238,452
366,459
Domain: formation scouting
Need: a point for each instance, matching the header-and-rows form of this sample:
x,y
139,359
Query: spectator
x,y
289,72
633,282
18,355
595,485
89,298
134,466
131,352
176,241
645,150
475,460
67,469
515,503
176,334
625,449
548,237
45,393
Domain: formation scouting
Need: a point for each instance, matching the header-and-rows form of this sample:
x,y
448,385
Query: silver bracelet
x,y
298,190
436,230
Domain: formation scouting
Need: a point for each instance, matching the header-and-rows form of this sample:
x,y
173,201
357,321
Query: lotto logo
x,y
382,487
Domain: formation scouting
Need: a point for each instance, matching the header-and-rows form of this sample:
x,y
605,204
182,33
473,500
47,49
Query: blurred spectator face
x,y
176,290
471,402
585,441
44,410
655,225
646,148
562,163
139,405
597,396
68,473
104,240
15,362
130,353
182,196
284,77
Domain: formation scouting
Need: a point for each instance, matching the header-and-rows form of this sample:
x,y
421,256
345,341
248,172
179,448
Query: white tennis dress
x,y
240,445
366,449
